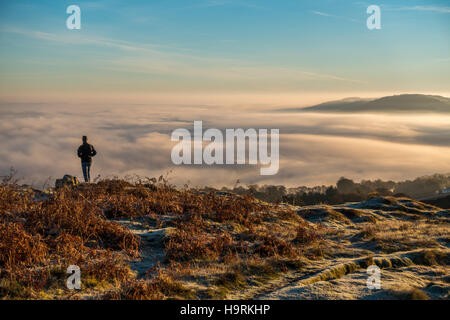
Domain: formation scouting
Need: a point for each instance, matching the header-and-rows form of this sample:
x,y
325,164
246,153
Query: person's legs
x,y
88,171
86,166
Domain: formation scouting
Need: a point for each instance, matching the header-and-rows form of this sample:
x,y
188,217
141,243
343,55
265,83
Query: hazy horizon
x,y
315,148
137,70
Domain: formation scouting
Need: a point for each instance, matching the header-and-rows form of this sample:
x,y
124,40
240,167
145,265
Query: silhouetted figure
x,y
86,151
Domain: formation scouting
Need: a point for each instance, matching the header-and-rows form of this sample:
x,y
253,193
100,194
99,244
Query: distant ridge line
x,y
395,103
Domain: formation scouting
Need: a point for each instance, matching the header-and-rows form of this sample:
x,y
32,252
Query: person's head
x,y
84,139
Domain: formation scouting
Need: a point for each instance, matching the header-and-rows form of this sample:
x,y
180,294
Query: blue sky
x,y
224,46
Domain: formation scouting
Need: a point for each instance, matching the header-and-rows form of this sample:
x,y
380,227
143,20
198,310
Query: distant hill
x,y
398,103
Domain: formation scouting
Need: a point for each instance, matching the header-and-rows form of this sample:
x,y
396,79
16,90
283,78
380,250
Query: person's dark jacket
x,y
86,151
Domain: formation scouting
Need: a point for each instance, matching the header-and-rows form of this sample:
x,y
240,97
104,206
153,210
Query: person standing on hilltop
x,y
86,151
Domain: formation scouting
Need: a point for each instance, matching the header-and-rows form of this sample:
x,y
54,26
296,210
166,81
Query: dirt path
x,y
151,247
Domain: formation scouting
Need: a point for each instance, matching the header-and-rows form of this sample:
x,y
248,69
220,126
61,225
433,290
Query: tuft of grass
x,y
350,213
160,287
305,235
232,280
410,294
12,289
430,257
369,232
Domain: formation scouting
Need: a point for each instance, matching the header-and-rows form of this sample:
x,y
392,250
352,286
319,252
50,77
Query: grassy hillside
x,y
152,241
143,241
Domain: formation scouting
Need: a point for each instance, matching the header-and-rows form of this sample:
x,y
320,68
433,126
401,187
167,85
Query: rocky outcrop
x,y
67,180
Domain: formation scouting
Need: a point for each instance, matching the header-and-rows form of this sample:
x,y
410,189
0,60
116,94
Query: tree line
x,y
345,190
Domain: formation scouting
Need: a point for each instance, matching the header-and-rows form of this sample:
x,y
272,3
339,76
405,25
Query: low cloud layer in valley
x,y
40,140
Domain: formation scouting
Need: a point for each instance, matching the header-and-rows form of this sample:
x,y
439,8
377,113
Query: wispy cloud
x,y
73,39
324,14
156,59
437,9
238,71
319,13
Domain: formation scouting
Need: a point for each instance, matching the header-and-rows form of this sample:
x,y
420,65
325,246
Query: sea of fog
x,y
40,142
